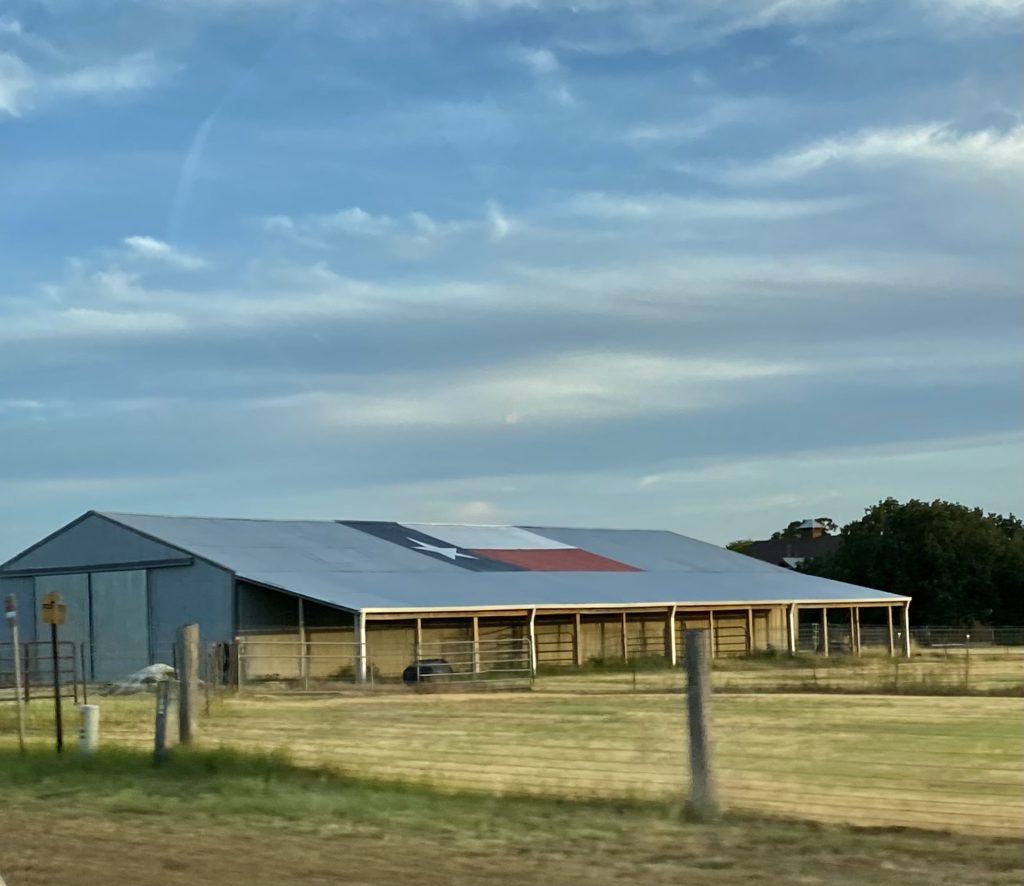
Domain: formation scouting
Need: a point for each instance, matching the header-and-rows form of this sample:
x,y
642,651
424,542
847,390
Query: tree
x,y
793,529
960,565
740,545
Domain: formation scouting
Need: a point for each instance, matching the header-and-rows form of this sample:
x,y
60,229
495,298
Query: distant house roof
x,y
359,565
781,551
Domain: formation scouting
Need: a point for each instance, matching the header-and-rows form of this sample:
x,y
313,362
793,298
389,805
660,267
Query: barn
x,y
366,597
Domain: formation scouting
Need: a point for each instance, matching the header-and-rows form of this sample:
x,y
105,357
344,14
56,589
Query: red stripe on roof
x,y
557,560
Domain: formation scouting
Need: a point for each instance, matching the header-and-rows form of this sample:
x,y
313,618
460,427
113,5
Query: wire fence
x,y
952,763
949,762
275,664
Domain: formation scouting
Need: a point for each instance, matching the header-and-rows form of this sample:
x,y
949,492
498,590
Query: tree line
x,y
962,566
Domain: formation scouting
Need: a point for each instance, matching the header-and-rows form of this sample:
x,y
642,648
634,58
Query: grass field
x,y
952,763
227,818
582,780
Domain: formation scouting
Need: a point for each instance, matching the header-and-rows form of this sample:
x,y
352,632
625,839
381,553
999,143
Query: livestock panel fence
x,y
275,663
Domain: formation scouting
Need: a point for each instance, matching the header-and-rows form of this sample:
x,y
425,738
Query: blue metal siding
x,y
22,588
179,595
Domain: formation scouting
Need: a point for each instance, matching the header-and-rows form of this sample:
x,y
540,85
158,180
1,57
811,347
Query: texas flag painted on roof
x,y
490,548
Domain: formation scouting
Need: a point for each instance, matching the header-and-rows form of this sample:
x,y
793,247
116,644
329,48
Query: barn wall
x,y
200,593
554,636
91,543
645,633
777,628
21,587
601,637
390,646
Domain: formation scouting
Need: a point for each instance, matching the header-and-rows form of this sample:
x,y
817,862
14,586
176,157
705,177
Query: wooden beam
x,y
670,637
476,644
712,633
303,651
532,625
905,619
892,633
577,641
792,623
625,639
750,630
855,629
824,630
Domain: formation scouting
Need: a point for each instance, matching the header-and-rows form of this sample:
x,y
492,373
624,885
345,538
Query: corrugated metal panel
x,y
253,545
659,551
488,537
345,567
459,588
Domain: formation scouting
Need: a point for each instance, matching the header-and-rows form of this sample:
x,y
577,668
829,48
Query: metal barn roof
x,y
347,565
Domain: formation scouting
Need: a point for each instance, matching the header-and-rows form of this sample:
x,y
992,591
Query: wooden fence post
x,y
188,680
703,802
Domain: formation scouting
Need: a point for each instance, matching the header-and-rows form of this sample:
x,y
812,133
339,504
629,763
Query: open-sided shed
x,y
388,591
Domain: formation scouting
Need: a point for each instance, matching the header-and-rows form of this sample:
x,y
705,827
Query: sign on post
x,y
55,613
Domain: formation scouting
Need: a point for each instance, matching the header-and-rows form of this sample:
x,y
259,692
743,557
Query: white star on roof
x,y
450,553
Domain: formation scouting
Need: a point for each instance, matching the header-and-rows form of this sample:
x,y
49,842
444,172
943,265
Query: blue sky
x,y
701,266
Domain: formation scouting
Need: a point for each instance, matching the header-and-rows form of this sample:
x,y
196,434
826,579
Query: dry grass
x,y
950,762
233,819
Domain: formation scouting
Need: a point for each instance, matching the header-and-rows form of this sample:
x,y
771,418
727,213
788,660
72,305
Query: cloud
x,y
666,208
158,250
993,9
357,222
499,223
548,72
937,143
132,73
414,234
558,390
701,117
88,324
24,88
16,85
538,60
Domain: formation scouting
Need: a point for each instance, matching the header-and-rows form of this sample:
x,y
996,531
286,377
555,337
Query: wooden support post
x,y
824,631
188,682
476,644
670,637
533,641
892,633
625,639
792,623
360,634
905,620
703,802
417,651
577,641
712,638
750,631
855,629
303,651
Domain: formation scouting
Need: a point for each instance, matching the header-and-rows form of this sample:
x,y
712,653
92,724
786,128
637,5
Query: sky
x,y
703,266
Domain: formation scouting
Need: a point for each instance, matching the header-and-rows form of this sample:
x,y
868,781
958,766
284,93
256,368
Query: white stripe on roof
x,y
488,538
